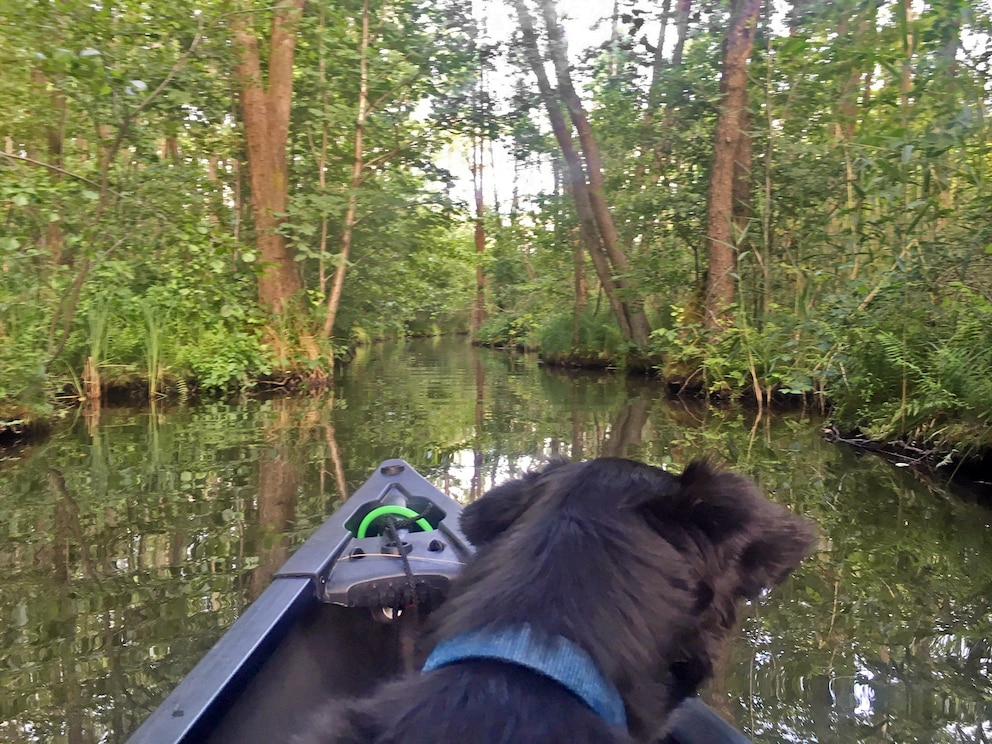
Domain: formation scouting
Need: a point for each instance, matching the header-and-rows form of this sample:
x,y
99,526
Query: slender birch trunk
x,y
357,166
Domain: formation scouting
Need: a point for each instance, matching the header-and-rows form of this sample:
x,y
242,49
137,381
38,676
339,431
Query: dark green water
x,y
128,546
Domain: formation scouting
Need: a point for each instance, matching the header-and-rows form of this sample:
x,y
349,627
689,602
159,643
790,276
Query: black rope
x,y
409,617
408,522
393,526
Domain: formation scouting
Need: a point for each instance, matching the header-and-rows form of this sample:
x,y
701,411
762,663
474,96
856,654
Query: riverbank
x,y
899,354
944,458
19,423
925,410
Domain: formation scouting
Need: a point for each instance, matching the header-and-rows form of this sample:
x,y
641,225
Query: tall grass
x,y
586,338
153,346
99,313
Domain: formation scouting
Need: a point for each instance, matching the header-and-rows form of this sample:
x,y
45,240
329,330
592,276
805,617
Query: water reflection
x,y
129,543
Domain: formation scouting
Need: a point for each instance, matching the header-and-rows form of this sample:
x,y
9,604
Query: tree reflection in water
x,y
130,544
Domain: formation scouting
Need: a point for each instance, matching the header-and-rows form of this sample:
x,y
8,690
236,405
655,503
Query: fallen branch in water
x,y
902,450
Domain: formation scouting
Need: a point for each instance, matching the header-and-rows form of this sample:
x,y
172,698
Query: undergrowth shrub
x,y
23,338
586,338
785,355
222,358
920,372
509,329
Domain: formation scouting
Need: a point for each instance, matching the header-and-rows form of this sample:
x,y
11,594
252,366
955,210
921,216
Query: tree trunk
x,y
53,239
278,490
337,464
847,101
682,32
170,149
656,154
575,176
265,110
682,25
580,288
947,60
905,9
742,202
478,167
92,387
320,154
476,485
633,303
951,37
614,64
720,240
357,166
479,306
742,174
627,427
846,127
658,63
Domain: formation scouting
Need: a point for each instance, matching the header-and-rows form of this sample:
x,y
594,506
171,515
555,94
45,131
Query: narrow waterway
x,y
129,544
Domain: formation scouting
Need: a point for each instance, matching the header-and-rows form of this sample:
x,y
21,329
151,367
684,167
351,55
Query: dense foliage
x,y
862,215
862,237
127,247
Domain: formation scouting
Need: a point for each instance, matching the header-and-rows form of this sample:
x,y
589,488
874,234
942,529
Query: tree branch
x,y
131,116
55,168
402,84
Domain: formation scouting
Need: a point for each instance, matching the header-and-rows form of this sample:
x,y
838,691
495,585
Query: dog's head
x,y
718,512
673,554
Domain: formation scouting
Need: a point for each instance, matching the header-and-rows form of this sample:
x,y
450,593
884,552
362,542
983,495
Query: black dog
x,y
598,600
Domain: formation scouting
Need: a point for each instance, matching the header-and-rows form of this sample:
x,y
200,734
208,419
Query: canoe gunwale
x,y
205,694
191,708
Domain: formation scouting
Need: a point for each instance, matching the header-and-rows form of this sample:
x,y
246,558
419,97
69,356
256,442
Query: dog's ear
x,y
498,508
781,542
761,541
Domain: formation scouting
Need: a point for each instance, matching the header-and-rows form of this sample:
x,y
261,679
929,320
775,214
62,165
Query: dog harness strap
x,y
555,657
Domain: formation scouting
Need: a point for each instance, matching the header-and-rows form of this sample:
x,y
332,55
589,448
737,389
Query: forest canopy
x,y
778,200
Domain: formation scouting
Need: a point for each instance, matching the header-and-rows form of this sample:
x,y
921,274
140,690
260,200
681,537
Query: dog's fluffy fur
x,y
642,569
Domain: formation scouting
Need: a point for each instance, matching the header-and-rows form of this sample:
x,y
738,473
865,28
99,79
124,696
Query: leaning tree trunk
x,y
576,179
278,492
266,119
722,255
633,303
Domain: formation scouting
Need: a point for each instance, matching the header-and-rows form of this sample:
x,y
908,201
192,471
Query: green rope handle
x,y
381,511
